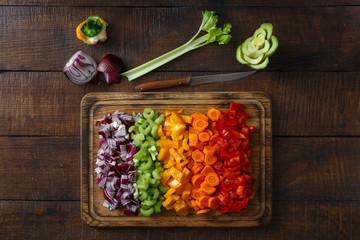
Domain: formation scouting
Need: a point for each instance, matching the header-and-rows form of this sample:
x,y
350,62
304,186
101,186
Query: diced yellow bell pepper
x,y
174,183
169,163
160,131
169,192
166,143
163,154
187,119
165,177
175,173
175,154
187,191
170,200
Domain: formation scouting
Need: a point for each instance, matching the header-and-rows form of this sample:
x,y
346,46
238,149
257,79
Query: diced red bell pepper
x,y
230,174
243,116
220,125
247,178
240,180
218,165
234,161
230,113
240,191
222,142
224,209
237,107
230,122
237,134
226,132
252,129
233,194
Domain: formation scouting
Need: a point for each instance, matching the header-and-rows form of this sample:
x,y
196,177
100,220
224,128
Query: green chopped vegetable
x,y
149,168
214,34
148,212
256,50
92,26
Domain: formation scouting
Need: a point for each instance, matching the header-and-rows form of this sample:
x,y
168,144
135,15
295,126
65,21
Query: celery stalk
x,y
214,34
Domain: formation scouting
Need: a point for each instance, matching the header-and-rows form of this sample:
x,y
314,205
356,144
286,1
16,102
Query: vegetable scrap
x,y
186,162
92,30
256,50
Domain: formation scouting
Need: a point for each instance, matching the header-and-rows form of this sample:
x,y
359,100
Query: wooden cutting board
x,y
257,104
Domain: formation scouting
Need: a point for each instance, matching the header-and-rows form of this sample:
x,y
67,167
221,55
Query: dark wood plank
x,y
177,3
291,220
38,168
304,103
44,37
316,169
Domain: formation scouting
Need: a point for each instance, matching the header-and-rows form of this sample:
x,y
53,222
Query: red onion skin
x,y
81,68
113,77
111,66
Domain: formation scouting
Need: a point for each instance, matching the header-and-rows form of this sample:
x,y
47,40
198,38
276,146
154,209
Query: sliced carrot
x,y
204,136
196,193
200,124
203,211
210,159
204,200
213,203
195,206
200,115
199,204
206,170
212,179
209,150
198,156
197,167
207,189
213,114
197,179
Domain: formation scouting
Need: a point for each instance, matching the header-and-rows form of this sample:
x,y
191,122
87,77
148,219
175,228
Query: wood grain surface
x,y
312,80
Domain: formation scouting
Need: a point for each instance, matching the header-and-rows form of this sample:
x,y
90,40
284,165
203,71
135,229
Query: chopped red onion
x,y
116,173
81,68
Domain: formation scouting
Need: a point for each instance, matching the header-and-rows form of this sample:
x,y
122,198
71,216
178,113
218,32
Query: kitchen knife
x,y
192,81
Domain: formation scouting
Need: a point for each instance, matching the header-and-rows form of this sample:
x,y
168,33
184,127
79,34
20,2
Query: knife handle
x,y
163,84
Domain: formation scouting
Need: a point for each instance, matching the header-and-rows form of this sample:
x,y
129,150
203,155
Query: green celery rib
x,y
165,58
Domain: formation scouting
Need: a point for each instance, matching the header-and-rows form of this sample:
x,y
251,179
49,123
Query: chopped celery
x,y
154,192
148,212
144,135
157,173
146,165
163,189
149,202
157,206
143,195
149,113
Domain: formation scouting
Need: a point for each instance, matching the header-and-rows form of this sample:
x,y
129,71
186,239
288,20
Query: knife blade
x,y
192,81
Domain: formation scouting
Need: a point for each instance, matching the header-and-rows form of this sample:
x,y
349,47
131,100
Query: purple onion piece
x,y
81,68
110,66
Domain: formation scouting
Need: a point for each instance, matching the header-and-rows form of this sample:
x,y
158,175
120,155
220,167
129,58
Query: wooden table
x,y
313,81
